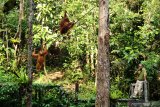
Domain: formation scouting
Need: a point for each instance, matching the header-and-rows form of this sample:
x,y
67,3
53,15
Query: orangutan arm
x,y
34,54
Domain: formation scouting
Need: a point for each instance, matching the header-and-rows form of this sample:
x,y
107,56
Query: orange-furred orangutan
x,y
65,24
40,56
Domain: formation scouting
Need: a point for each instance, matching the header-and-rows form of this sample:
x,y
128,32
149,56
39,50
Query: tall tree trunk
x,y
30,25
103,70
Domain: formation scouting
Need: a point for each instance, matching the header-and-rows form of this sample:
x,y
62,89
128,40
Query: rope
x,y
87,12
84,15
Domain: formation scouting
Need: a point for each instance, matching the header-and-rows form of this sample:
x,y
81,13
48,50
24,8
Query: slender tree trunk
x,y
88,53
103,70
7,47
19,31
43,41
30,19
21,16
92,59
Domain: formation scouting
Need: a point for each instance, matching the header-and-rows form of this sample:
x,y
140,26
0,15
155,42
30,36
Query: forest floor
x,y
86,89
54,77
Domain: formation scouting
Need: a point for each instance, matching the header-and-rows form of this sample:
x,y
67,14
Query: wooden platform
x,y
136,103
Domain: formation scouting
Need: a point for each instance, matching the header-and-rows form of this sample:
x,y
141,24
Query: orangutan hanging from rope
x,y
65,24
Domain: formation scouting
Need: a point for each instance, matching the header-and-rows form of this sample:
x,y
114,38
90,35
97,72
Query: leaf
x,y
15,40
128,48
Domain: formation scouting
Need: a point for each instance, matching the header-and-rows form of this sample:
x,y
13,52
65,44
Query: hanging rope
x,y
84,15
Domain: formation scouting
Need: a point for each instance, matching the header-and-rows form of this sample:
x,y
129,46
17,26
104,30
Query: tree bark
x,y
30,37
103,68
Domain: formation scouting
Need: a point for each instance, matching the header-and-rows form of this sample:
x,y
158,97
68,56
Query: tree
x,y
103,68
30,38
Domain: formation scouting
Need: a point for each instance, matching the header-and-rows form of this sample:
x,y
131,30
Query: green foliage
x,y
152,65
43,95
50,95
74,73
45,33
87,91
7,90
48,12
23,78
118,88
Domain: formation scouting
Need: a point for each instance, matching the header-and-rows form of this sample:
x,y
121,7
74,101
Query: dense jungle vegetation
x,y
69,76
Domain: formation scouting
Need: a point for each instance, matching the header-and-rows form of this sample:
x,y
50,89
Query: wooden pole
x,y
145,91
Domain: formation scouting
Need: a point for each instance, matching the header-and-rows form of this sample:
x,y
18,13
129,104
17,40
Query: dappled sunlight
x,y
48,78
